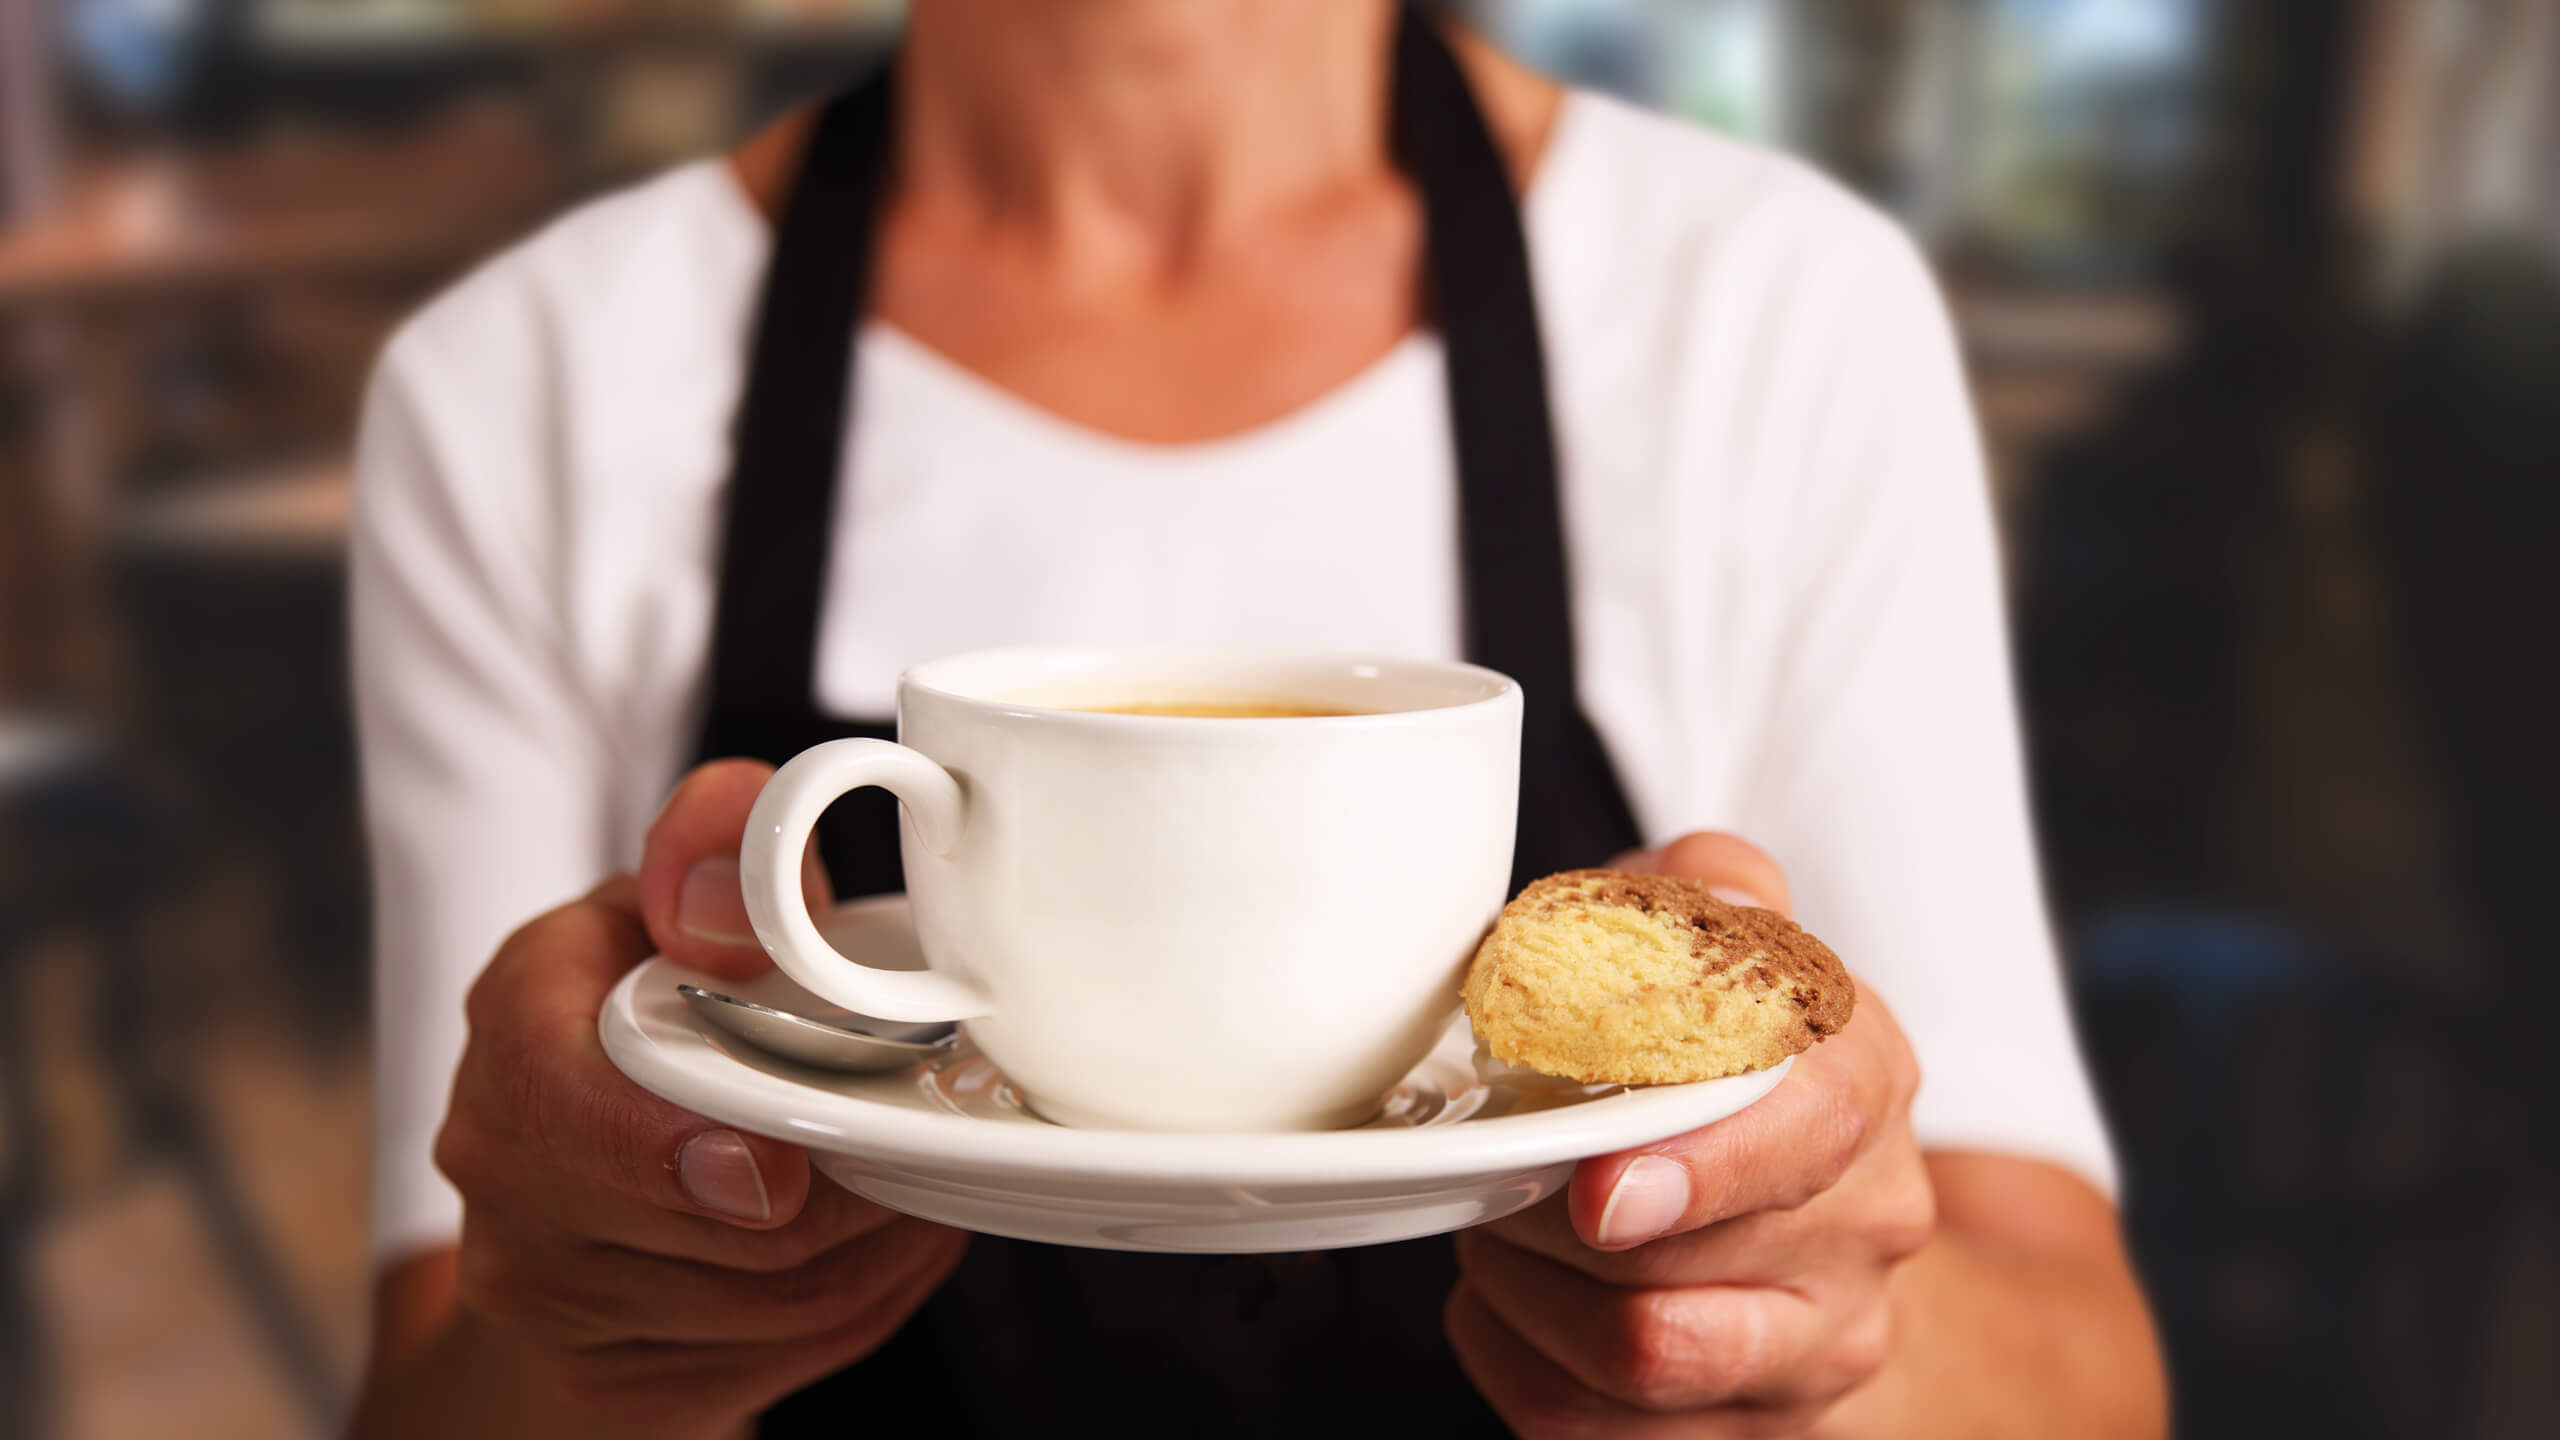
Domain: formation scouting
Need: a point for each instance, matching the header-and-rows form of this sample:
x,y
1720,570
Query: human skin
x,y
1805,1267
1173,220
1808,1270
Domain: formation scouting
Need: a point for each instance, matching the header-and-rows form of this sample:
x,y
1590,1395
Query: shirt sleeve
x,y
1887,779
481,761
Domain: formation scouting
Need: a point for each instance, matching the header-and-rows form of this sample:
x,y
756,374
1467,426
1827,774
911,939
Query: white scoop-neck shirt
x,y
1784,580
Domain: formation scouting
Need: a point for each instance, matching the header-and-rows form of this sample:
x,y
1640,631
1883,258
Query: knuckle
x,y
457,1155
1906,1074
1908,1216
1846,1129
1862,1349
1745,1349
1834,1134
485,1005
1651,1360
496,999
546,931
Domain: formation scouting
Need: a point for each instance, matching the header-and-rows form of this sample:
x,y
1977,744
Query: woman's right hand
x,y
626,1266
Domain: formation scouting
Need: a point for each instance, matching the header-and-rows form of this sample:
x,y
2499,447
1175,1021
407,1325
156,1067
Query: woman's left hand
x,y
1727,1282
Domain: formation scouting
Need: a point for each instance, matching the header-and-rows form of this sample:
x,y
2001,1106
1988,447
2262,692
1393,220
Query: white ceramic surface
x,y
1173,923
949,1140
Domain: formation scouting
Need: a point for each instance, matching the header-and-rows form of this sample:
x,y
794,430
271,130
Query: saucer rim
x,y
653,1036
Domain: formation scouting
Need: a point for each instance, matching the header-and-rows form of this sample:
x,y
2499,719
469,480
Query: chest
x,y
1160,338
969,517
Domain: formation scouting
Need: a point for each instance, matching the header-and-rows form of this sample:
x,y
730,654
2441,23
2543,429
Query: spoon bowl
x,y
830,1040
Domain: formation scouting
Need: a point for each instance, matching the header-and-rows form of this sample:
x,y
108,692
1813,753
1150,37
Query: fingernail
x,y
1651,1196
1734,895
711,906
719,1172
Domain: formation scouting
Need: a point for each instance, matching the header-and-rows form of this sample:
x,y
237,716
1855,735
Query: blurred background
x,y
2262,302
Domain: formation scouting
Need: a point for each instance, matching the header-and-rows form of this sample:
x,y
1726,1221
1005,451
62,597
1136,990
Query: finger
x,y
1792,1144
1661,1351
1883,1209
598,1214
795,1367
689,887
573,1292
690,1303
1732,868
1540,1400
570,1119
660,1383
1771,1247
576,953
536,1094
1789,1147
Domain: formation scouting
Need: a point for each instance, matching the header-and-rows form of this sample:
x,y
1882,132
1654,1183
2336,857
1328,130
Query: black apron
x,y
1027,1338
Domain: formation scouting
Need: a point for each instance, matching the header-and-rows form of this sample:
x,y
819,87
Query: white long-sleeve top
x,y
1784,579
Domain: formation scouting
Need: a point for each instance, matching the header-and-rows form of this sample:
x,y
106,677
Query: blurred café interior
x,y
2262,304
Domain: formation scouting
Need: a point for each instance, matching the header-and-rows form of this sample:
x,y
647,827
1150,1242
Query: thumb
x,y
689,891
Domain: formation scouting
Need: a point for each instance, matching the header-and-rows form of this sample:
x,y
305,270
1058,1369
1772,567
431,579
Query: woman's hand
x,y
627,1267
1727,1282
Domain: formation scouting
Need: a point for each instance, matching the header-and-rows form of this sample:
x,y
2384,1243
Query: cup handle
x,y
769,873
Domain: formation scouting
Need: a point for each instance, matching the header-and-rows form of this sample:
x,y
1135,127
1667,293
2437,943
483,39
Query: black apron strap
x,y
792,423
791,427
1519,614
1031,1338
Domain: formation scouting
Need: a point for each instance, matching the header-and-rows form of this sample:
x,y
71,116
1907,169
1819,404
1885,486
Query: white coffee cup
x,y
1172,923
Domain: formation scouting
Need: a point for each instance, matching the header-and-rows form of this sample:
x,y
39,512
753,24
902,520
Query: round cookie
x,y
1610,978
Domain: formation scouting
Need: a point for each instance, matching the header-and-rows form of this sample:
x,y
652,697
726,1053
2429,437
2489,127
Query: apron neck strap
x,y
792,424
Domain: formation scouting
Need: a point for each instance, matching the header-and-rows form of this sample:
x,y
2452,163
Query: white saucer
x,y
949,1140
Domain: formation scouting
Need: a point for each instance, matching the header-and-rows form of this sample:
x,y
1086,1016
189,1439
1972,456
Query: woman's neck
x,y
1520,105
1145,128
1164,220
